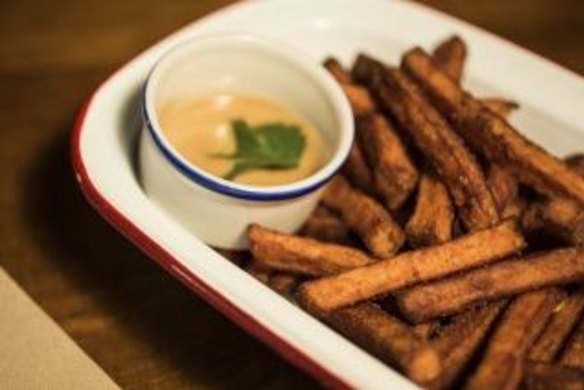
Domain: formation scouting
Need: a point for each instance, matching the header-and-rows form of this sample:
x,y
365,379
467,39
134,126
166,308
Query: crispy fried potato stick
x,y
559,218
501,107
433,136
425,330
543,376
557,331
258,271
491,135
394,173
455,294
283,283
327,227
503,186
449,56
576,163
412,267
389,339
459,341
505,190
515,209
573,354
501,366
376,227
357,170
359,98
337,71
355,167
433,217
305,256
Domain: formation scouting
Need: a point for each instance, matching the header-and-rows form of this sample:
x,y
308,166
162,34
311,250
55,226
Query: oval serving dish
x,y
320,28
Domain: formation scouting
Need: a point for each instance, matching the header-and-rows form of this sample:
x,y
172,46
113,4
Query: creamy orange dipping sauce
x,y
199,128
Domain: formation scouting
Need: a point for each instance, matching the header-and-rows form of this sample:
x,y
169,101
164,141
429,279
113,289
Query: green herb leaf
x,y
268,146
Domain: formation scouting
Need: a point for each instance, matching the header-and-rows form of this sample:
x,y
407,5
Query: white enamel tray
x,y
104,143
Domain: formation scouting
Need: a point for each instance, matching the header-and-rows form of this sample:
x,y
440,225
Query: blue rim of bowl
x,y
214,183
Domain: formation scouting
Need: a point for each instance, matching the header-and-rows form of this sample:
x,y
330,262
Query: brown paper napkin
x,y
35,353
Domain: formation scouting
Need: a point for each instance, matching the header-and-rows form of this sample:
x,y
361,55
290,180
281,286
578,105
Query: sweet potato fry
x,y
503,186
337,71
543,376
387,338
359,98
258,271
454,294
356,169
449,56
283,283
557,331
560,218
501,366
498,106
434,137
425,330
491,135
433,217
299,255
376,227
412,267
576,163
573,354
327,227
459,341
394,173
505,190
515,209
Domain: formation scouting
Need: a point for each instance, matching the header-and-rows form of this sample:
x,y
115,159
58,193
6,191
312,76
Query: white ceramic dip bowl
x,y
216,210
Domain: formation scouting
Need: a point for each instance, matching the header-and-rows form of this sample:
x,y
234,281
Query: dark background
x,y
141,326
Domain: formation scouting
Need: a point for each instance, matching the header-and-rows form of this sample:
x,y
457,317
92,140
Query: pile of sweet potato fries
x,y
449,247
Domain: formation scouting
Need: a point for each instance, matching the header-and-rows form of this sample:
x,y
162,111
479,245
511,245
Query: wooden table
x,y
141,326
